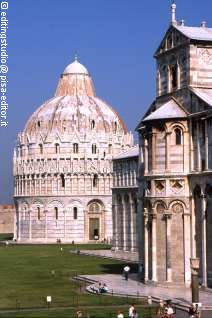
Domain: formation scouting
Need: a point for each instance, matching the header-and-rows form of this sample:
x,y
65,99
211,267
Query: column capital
x,y
167,215
153,215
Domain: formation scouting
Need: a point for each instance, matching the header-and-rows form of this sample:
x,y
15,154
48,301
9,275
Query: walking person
x,y
191,311
120,314
134,314
194,311
126,272
161,310
131,309
169,311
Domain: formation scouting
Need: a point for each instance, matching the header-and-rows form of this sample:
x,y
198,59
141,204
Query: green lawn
x,y
106,312
29,273
6,236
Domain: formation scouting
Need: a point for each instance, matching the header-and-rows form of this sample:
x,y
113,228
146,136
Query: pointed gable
x,y
170,109
173,37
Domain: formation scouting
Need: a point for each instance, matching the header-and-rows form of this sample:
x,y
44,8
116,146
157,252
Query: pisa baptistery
x,y
63,164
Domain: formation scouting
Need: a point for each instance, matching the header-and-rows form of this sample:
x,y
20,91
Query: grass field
x,y
6,236
106,312
29,273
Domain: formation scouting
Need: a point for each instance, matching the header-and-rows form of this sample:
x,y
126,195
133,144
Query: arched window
x,y
39,123
56,213
21,150
41,149
38,212
75,148
178,136
126,198
57,148
135,205
94,149
169,42
160,208
92,124
62,180
159,82
115,127
94,207
95,180
173,77
110,149
75,213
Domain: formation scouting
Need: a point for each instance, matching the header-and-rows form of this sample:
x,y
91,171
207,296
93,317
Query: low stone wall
x,y
7,212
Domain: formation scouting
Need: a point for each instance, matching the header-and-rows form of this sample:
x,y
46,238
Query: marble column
x,y
19,226
154,246
30,225
191,157
64,216
168,143
146,163
46,184
168,217
40,185
30,185
193,230
22,186
204,260
154,135
198,148
186,151
116,228
132,225
187,247
146,245
124,223
46,229
206,145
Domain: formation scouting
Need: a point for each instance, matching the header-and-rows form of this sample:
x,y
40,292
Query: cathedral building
x,y
63,164
125,200
175,183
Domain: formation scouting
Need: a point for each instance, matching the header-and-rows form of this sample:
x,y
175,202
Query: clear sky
x,y
114,39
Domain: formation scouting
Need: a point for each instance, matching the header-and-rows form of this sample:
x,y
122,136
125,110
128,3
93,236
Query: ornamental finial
x,y
75,57
173,11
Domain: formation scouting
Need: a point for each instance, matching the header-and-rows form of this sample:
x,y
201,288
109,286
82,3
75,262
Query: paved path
x,y
118,285
119,255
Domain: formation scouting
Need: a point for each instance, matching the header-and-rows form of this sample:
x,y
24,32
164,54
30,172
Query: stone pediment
x,y
170,109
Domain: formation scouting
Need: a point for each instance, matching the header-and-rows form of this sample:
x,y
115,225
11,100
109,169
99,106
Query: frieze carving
x,y
159,186
177,186
205,56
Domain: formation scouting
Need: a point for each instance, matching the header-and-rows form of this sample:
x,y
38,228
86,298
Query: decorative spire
x,y
75,57
173,9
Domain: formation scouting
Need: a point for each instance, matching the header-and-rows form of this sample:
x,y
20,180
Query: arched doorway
x,y
95,221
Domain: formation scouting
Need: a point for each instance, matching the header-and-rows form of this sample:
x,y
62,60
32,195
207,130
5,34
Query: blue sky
x,y
114,39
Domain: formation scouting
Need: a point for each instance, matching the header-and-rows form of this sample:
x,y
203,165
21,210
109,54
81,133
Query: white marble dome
x,y
63,164
75,107
75,68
